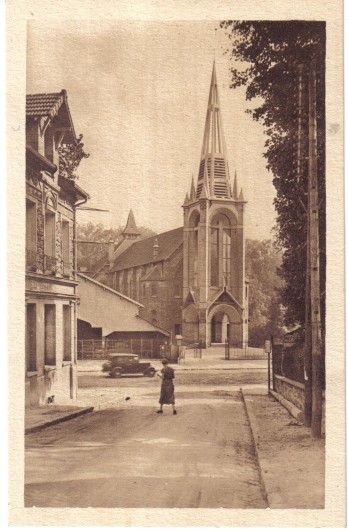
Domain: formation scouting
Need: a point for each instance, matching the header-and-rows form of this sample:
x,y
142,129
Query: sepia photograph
x,y
176,268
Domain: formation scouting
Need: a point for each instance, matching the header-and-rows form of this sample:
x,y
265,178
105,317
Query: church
x,y
191,280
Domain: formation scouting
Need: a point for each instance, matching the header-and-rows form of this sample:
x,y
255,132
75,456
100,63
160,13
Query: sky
x,y
138,93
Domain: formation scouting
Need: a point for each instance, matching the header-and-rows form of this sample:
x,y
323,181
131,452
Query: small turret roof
x,y
131,226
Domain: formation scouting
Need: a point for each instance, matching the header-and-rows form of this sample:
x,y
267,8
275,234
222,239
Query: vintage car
x,y
119,364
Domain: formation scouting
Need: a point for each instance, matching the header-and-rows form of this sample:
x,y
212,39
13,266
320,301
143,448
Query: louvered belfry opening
x,y
213,168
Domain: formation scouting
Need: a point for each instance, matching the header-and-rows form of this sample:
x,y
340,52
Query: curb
x,y
262,480
45,424
290,407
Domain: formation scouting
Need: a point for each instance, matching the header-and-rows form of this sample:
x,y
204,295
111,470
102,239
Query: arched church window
x,y
193,250
220,251
154,289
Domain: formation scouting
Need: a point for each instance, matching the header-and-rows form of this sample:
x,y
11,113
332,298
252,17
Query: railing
x,y
31,263
252,353
197,349
50,264
99,349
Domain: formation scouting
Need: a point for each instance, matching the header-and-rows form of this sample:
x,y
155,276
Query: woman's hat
x,y
165,361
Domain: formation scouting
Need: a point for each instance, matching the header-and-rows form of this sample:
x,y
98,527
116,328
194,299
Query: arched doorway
x,y
224,322
220,328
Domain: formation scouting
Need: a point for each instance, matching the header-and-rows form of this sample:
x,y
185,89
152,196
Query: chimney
x,y
155,248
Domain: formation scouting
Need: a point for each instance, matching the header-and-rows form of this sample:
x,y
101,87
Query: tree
x,y
267,55
91,256
265,310
70,156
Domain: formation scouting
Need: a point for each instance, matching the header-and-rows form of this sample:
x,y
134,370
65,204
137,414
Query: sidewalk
x,y
291,462
40,417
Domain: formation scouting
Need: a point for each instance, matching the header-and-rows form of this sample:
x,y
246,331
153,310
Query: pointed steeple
x,y
241,197
193,190
131,229
213,155
187,199
235,185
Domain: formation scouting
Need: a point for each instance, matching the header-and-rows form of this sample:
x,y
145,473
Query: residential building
x,y
50,286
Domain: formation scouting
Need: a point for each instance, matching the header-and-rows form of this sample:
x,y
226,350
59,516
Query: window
x,y
154,289
50,234
226,256
66,332
193,249
30,337
220,251
177,329
50,335
214,258
50,243
31,234
154,317
31,225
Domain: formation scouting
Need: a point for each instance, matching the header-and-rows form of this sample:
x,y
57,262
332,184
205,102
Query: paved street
x,y
126,455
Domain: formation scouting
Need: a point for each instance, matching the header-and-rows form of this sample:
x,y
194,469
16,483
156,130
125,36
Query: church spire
x,y
193,190
131,229
213,155
235,185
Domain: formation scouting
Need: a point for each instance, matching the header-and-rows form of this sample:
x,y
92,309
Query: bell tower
x,y
214,288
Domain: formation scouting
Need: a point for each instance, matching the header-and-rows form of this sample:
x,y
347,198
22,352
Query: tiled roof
x,y
141,252
44,104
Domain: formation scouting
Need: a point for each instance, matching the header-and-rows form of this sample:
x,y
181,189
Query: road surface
x,y
125,455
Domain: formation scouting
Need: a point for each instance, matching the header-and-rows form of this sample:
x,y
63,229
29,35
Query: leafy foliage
x,y
91,257
70,156
266,56
265,310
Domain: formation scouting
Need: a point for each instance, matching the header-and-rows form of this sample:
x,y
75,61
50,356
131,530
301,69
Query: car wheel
x,y
116,373
150,373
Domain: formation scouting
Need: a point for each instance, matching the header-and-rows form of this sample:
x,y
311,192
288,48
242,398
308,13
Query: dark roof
x,y
46,104
131,226
49,105
141,252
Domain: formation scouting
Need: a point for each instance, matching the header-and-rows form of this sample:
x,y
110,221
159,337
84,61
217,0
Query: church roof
x,y
141,252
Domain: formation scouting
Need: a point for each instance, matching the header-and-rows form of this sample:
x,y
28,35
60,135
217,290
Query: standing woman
x,y
167,387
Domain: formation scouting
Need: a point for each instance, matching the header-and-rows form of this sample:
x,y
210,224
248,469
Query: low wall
x,y
294,392
291,390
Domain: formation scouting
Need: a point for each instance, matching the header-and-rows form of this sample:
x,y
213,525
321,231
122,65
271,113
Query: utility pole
x,y
313,220
300,177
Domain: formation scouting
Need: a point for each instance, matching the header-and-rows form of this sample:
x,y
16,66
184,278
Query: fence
x,y
100,349
245,353
288,357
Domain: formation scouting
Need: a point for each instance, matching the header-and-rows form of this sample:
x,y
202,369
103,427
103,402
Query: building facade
x,y
214,288
50,281
191,280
